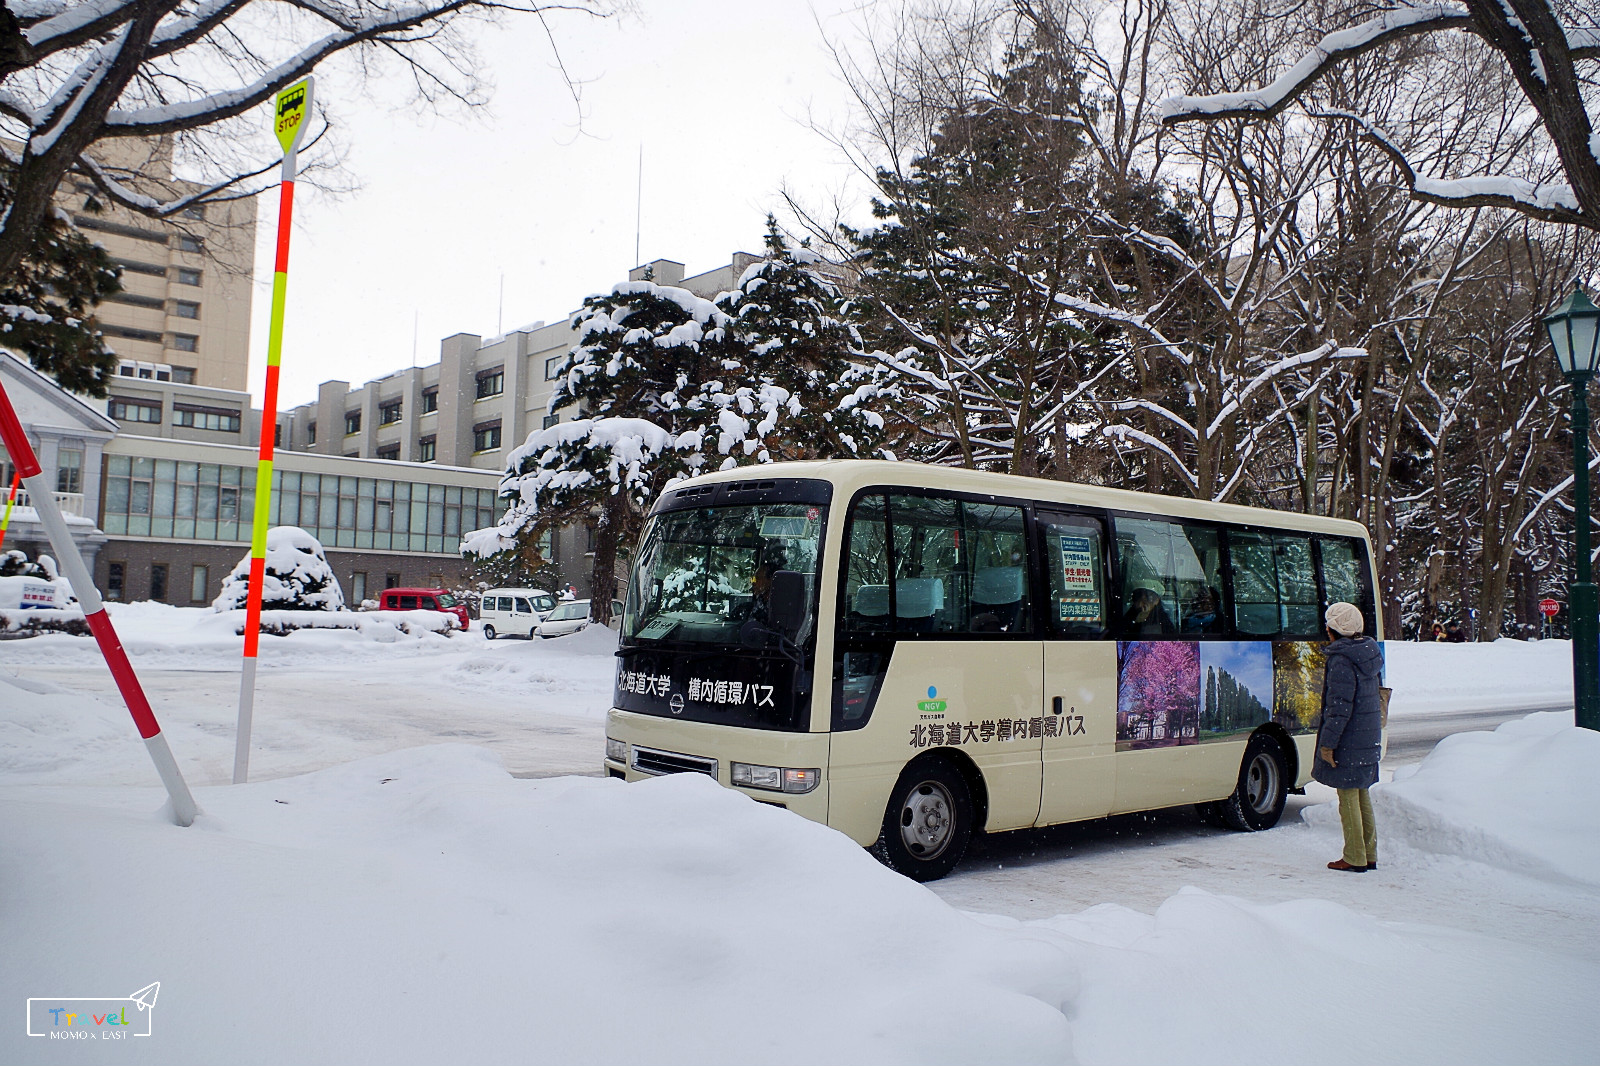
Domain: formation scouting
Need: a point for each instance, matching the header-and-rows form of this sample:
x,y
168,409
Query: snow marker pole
x,y
94,611
11,499
289,114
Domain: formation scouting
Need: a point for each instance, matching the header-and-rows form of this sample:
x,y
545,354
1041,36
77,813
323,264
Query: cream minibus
x,y
914,654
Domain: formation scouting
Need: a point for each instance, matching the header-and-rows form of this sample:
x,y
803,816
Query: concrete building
x,y
160,494
184,312
480,400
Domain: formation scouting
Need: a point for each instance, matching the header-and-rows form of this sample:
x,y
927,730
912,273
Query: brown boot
x,y
1340,864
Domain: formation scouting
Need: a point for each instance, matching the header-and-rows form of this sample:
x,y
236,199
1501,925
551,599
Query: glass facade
x,y
207,501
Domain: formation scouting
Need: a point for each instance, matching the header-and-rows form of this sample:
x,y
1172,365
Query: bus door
x,y
1080,670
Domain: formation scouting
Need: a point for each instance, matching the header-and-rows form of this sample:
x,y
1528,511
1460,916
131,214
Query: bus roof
x,y
851,475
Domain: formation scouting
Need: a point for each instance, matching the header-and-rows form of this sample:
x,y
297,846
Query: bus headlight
x,y
773,778
617,750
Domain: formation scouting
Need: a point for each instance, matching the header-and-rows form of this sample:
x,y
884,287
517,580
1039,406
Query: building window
x,y
151,269
69,470
136,300
389,413
195,211
128,410
430,399
187,243
552,367
486,438
220,419
114,580
158,581
183,375
186,309
277,435
199,577
491,382
550,420
188,276
185,342
425,449
311,433
389,451
358,587
352,422
131,334
391,581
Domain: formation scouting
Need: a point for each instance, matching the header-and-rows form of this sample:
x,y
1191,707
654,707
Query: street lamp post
x,y
1575,334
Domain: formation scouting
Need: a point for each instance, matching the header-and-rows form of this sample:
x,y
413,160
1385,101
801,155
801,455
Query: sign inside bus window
x,y
1080,600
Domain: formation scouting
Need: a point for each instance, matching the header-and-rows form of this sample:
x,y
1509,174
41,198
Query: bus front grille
x,y
652,761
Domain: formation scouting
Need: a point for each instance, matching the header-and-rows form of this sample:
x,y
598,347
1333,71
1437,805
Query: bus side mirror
x,y
787,607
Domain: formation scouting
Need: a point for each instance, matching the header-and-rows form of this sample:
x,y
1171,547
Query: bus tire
x,y
928,823
1258,801
488,632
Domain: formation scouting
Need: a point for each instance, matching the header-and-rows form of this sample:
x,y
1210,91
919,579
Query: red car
x,y
424,600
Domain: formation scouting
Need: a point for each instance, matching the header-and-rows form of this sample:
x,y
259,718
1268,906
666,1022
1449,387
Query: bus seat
x,y
872,601
917,601
997,593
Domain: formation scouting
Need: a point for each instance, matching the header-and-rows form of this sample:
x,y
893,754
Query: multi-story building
x,y
479,401
184,312
160,494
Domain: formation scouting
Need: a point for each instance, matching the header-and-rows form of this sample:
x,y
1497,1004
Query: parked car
x,y
424,600
571,616
513,612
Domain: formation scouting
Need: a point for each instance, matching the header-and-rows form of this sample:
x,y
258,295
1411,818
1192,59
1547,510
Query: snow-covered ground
x,y
387,891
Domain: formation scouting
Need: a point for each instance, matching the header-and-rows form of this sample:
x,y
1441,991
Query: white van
x,y
513,612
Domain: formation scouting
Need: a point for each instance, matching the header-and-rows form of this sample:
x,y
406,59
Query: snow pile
x,y
426,907
1435,677
298,577
1525,798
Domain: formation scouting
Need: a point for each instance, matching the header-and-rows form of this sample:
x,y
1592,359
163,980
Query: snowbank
x,y
425,907
1436,677
1524,797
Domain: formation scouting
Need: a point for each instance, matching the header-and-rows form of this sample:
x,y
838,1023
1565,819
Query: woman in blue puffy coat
x,y
1350,739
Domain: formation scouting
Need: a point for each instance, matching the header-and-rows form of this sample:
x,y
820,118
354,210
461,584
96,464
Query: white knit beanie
x,y
1344,619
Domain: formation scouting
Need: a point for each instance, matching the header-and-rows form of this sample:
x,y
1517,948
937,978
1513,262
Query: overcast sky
x,y
716,91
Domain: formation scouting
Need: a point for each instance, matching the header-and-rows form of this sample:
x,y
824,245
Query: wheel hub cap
x,y
927,820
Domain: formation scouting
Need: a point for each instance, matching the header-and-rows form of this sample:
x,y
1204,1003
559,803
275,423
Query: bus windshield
x,y
703,575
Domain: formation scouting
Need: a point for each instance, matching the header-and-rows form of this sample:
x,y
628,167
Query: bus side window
x,y
1171,578
1074,562
1274,584
1345,576
866,579
994,571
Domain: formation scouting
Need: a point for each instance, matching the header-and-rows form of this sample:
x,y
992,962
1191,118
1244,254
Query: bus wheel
x,y
928,823
1258,801
488,632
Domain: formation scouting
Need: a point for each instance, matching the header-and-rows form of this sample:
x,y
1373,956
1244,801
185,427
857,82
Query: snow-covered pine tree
x,y
298,576
637,374
794,385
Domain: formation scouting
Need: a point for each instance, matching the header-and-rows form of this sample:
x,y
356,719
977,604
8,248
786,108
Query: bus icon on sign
x,y
291,101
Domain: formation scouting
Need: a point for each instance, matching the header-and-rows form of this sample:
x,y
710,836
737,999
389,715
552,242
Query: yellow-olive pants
x,y
1360,831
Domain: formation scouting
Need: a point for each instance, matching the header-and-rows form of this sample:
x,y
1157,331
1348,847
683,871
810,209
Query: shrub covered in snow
x,y
298,577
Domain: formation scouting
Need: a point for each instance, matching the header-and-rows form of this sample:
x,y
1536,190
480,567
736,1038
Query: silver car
x,y
571,616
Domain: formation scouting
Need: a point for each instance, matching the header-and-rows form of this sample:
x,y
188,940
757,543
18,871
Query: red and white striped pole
x,y
94,612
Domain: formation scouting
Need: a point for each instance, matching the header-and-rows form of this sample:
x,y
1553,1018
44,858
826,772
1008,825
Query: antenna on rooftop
x,y
414,315
500,316
638,207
